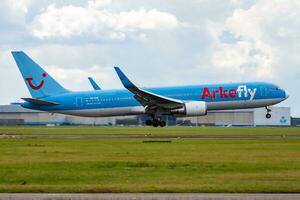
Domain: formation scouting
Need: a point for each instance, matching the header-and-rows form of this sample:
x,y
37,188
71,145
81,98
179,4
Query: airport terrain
x,y
175,131
150,164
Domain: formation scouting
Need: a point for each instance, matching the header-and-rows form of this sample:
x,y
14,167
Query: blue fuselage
x,y
122,102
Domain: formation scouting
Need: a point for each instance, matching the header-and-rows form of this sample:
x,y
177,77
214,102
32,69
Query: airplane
x,y
180,101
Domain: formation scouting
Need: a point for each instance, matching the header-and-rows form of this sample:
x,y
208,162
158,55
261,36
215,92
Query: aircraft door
x,y
79,101
263,91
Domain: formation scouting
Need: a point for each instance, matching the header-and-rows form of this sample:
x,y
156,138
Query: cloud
x,y
92,20
76,78
253,53
177,42
245,58
21,5
98,3
243,3
12,13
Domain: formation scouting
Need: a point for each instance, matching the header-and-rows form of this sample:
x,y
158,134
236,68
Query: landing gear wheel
x,y
268,115
155,123
149,122
162,123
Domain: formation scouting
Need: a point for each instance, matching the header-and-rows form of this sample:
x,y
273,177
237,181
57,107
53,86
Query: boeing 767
x,y
48,95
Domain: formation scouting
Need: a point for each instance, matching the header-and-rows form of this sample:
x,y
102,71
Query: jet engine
x,y
192,108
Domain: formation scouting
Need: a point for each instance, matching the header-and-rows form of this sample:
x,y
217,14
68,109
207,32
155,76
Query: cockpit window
x,y
278,88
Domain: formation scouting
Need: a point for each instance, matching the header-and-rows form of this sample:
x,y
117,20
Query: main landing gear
x,y
268,115
155,122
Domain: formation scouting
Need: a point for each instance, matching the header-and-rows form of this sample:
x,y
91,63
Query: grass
x,y
149,130
129,165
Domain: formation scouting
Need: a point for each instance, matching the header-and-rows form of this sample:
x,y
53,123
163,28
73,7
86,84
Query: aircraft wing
x,y
146,98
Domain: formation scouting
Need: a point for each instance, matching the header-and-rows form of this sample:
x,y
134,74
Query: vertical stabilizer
x,y
39,83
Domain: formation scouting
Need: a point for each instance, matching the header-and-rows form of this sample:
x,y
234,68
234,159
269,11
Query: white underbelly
x,y
223,105
105,112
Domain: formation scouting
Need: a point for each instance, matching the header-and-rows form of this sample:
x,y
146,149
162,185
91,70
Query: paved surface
x,y
152,136
149,196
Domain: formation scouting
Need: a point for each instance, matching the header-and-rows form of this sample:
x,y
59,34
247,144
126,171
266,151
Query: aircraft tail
x,y
39,83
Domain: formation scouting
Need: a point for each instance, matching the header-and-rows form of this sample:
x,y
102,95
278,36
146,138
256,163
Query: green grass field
x,y
149,130
129,165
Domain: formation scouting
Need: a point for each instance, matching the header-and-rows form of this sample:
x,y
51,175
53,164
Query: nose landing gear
x,y
268,115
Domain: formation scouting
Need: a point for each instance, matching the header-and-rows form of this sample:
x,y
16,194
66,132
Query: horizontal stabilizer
x,y
40,102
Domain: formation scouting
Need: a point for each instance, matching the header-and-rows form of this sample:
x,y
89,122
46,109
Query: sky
x,y
156,43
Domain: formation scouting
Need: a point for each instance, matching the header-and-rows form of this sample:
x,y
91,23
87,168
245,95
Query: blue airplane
x,y
48,95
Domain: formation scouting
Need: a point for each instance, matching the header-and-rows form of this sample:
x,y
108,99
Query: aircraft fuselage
x,y
102,103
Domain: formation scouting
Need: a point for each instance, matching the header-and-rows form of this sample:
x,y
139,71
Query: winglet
x,y
125,81
94,84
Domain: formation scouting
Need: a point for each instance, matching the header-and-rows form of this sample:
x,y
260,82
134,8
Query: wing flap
x,y
155,99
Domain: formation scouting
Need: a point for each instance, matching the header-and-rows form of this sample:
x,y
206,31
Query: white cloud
x,y
252,60
76,78
254,53
13,13
242,3
98,3
21,5
220,41
94,21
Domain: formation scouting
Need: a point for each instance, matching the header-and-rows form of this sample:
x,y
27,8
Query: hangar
x,y
281,116
16,115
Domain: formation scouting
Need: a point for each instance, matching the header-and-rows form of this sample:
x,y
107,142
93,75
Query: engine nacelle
x,y
192,108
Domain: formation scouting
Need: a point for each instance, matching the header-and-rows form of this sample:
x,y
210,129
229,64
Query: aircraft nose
x,y
287,95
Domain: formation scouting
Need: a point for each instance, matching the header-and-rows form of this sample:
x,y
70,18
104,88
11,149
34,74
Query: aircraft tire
x,y
155,123
149,122
162,123
268,115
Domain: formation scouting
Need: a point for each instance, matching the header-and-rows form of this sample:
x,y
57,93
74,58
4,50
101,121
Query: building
x,y
16,115
295,122
281,116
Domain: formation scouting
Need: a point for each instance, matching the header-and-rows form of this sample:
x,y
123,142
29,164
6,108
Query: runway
x,y
148,196
143,136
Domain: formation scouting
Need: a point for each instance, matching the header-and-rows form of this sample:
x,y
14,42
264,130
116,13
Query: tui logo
x,y
39,86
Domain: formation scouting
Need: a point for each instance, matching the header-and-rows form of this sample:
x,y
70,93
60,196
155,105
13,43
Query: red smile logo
x,y
29,80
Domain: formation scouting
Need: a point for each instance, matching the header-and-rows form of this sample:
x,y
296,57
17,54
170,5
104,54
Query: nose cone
x,y
287,95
